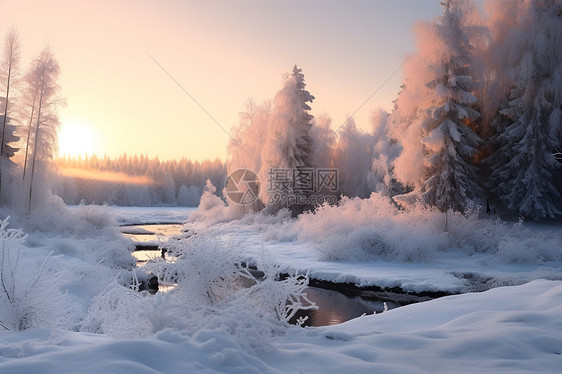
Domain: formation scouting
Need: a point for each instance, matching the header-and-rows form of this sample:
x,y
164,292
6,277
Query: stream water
x,y
333,307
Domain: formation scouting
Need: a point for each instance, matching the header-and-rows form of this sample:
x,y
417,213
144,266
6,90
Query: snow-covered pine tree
x,y
290,123
10,139
9,72
449,141
289,144
524,169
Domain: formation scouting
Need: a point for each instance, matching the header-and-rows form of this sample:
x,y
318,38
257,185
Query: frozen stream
x,y
334,306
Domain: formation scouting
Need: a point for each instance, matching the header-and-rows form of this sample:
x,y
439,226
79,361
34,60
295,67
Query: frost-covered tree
x,y
289,140
289,143
324,140
528,128
275,135
381,176
248,138
9,149
441,131
9,71
246,145
43,92
353,157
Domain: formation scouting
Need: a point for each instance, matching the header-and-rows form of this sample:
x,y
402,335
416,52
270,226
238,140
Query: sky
x,y
169,78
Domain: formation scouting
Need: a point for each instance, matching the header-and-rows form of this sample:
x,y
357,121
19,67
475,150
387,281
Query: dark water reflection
x,y
335,307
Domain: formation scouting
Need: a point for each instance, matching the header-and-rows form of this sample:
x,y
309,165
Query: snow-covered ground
x,y
452,272
504,330
150,215
513,329
368,242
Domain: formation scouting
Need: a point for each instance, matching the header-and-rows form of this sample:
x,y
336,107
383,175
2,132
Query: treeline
x,y
478,119
134,180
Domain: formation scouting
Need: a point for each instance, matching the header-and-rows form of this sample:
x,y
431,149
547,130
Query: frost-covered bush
x,y
123,312
214,291
212,210
88,232
520,244
95,216
29,295
375,228
278,299
277,227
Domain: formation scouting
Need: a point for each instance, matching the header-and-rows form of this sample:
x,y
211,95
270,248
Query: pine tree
x,y
446,121
290,123
9,70
10,139
524,168
289,144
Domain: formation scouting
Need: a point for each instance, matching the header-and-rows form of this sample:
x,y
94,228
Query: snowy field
x,y
505,330
106,327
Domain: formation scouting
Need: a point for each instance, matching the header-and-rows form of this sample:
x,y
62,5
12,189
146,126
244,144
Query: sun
x,y
76,139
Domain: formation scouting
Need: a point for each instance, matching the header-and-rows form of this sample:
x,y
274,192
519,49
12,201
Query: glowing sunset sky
x,y
222,52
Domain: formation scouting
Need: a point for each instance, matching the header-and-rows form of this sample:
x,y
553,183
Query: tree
x,y
443,128
353,156
324,140
275,135
9,140
9,70
529,127
42,89
290,143
249,137
386,149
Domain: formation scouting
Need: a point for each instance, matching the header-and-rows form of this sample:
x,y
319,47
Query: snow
x,y
451,272
504,330
369,242
507,329
149,215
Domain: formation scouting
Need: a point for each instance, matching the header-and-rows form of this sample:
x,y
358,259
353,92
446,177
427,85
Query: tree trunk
x,y
29,134
36,142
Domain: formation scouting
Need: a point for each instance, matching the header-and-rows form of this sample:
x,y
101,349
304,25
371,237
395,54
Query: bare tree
x,y
9,70
42,93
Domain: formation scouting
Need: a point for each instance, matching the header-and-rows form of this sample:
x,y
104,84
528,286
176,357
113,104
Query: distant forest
x,y
134,180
